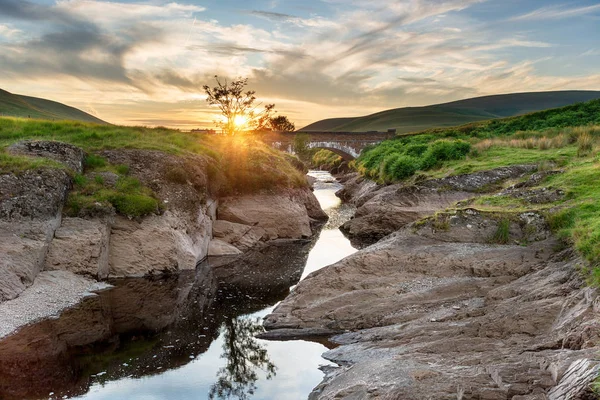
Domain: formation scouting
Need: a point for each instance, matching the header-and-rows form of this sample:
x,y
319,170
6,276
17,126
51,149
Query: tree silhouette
x,y
245,357
238,106
282,123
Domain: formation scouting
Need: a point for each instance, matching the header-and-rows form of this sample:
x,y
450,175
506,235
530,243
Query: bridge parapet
x,y
349,145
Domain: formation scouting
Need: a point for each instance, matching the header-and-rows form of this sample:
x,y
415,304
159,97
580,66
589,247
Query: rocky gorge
x,y
50,260
444,301
447,301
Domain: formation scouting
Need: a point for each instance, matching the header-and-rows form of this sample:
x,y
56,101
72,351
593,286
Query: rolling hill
x,y
412,119
14,105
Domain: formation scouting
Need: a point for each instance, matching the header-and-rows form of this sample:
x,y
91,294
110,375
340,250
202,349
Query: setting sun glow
x,y
240,121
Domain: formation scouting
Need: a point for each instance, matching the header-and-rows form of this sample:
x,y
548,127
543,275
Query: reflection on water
x,y
188,336
244,356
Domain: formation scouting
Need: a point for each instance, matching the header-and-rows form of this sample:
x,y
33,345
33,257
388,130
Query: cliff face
x,y
38,239
464,304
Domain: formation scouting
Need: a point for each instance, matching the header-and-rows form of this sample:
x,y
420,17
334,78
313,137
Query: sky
x,y
145,62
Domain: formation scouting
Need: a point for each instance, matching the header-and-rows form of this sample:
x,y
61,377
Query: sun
x,y
240,121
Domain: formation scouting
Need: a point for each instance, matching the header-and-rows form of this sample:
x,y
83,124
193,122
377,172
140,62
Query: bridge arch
x,y
346,154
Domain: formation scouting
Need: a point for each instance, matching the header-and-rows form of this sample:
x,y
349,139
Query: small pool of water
x,y
190,336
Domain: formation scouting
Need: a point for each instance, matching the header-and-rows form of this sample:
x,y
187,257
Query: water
x,y
189,336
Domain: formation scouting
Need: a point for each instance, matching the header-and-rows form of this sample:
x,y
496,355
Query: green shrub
x,y
93,161
400,167
416,150
79,180
134,205
122,169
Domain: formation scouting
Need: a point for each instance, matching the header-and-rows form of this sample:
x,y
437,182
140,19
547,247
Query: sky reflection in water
x,y
296,362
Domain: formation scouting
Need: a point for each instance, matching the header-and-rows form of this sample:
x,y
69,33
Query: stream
x,y
187,336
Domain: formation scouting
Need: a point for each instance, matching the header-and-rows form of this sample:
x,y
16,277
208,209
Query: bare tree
x,y
238,106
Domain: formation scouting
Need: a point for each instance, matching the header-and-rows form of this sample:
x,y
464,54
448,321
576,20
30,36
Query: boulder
x,y
393,207
64,153
218,248
279,215
158,244
30,205
243,237
80,246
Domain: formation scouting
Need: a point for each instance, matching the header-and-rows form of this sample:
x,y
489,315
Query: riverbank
x,y
110,202
452,302
145,335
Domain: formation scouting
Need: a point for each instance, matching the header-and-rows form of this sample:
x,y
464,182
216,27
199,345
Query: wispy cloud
x,y
556,12
349,57
591,52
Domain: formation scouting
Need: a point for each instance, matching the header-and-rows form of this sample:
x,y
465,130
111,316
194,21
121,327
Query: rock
x,y
33,194
80,246
30,204
424,316
65,153
281,216
157,244
218,248
393,207
243,237
474,226
310,202
357,190
180,182
481,181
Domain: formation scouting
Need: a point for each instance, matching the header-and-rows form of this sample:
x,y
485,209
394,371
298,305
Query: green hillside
x,y
413,119
565,140
13,105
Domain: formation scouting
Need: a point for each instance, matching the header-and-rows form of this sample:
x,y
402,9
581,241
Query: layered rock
x,y
280,216
99,244
30,211
80,246
439,310
383,210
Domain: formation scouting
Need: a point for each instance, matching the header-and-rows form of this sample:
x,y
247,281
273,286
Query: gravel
x,y
51,293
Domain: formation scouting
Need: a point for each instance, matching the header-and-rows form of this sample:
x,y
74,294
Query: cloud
x,y
9,32
591,52
556,12
364,56
273,16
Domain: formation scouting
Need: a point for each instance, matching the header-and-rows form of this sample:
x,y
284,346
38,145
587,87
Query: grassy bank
x,y
565,139
240,164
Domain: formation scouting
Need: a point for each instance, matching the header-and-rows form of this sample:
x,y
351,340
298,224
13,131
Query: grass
x,y
33,107
235,165
566,139
16,164
326,159
91,197
502,233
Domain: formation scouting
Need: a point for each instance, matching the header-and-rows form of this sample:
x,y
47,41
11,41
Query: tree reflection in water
x,y
245,356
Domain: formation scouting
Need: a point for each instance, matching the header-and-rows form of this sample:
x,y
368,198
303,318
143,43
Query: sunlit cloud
x,y
145,63
557,12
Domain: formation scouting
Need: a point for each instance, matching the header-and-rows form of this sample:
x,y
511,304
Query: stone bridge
x,y
348,145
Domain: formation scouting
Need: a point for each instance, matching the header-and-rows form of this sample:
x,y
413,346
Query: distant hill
x,y
14,105
413,119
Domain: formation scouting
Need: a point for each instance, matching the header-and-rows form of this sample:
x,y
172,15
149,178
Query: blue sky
x,y
144,62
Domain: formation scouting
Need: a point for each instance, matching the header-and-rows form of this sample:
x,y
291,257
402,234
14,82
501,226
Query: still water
x,y
189,336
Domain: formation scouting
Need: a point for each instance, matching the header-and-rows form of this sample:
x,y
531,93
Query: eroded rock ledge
x,y
36,238
436,310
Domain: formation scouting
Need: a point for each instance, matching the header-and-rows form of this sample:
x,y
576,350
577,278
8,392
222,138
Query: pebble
x,y
51,293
